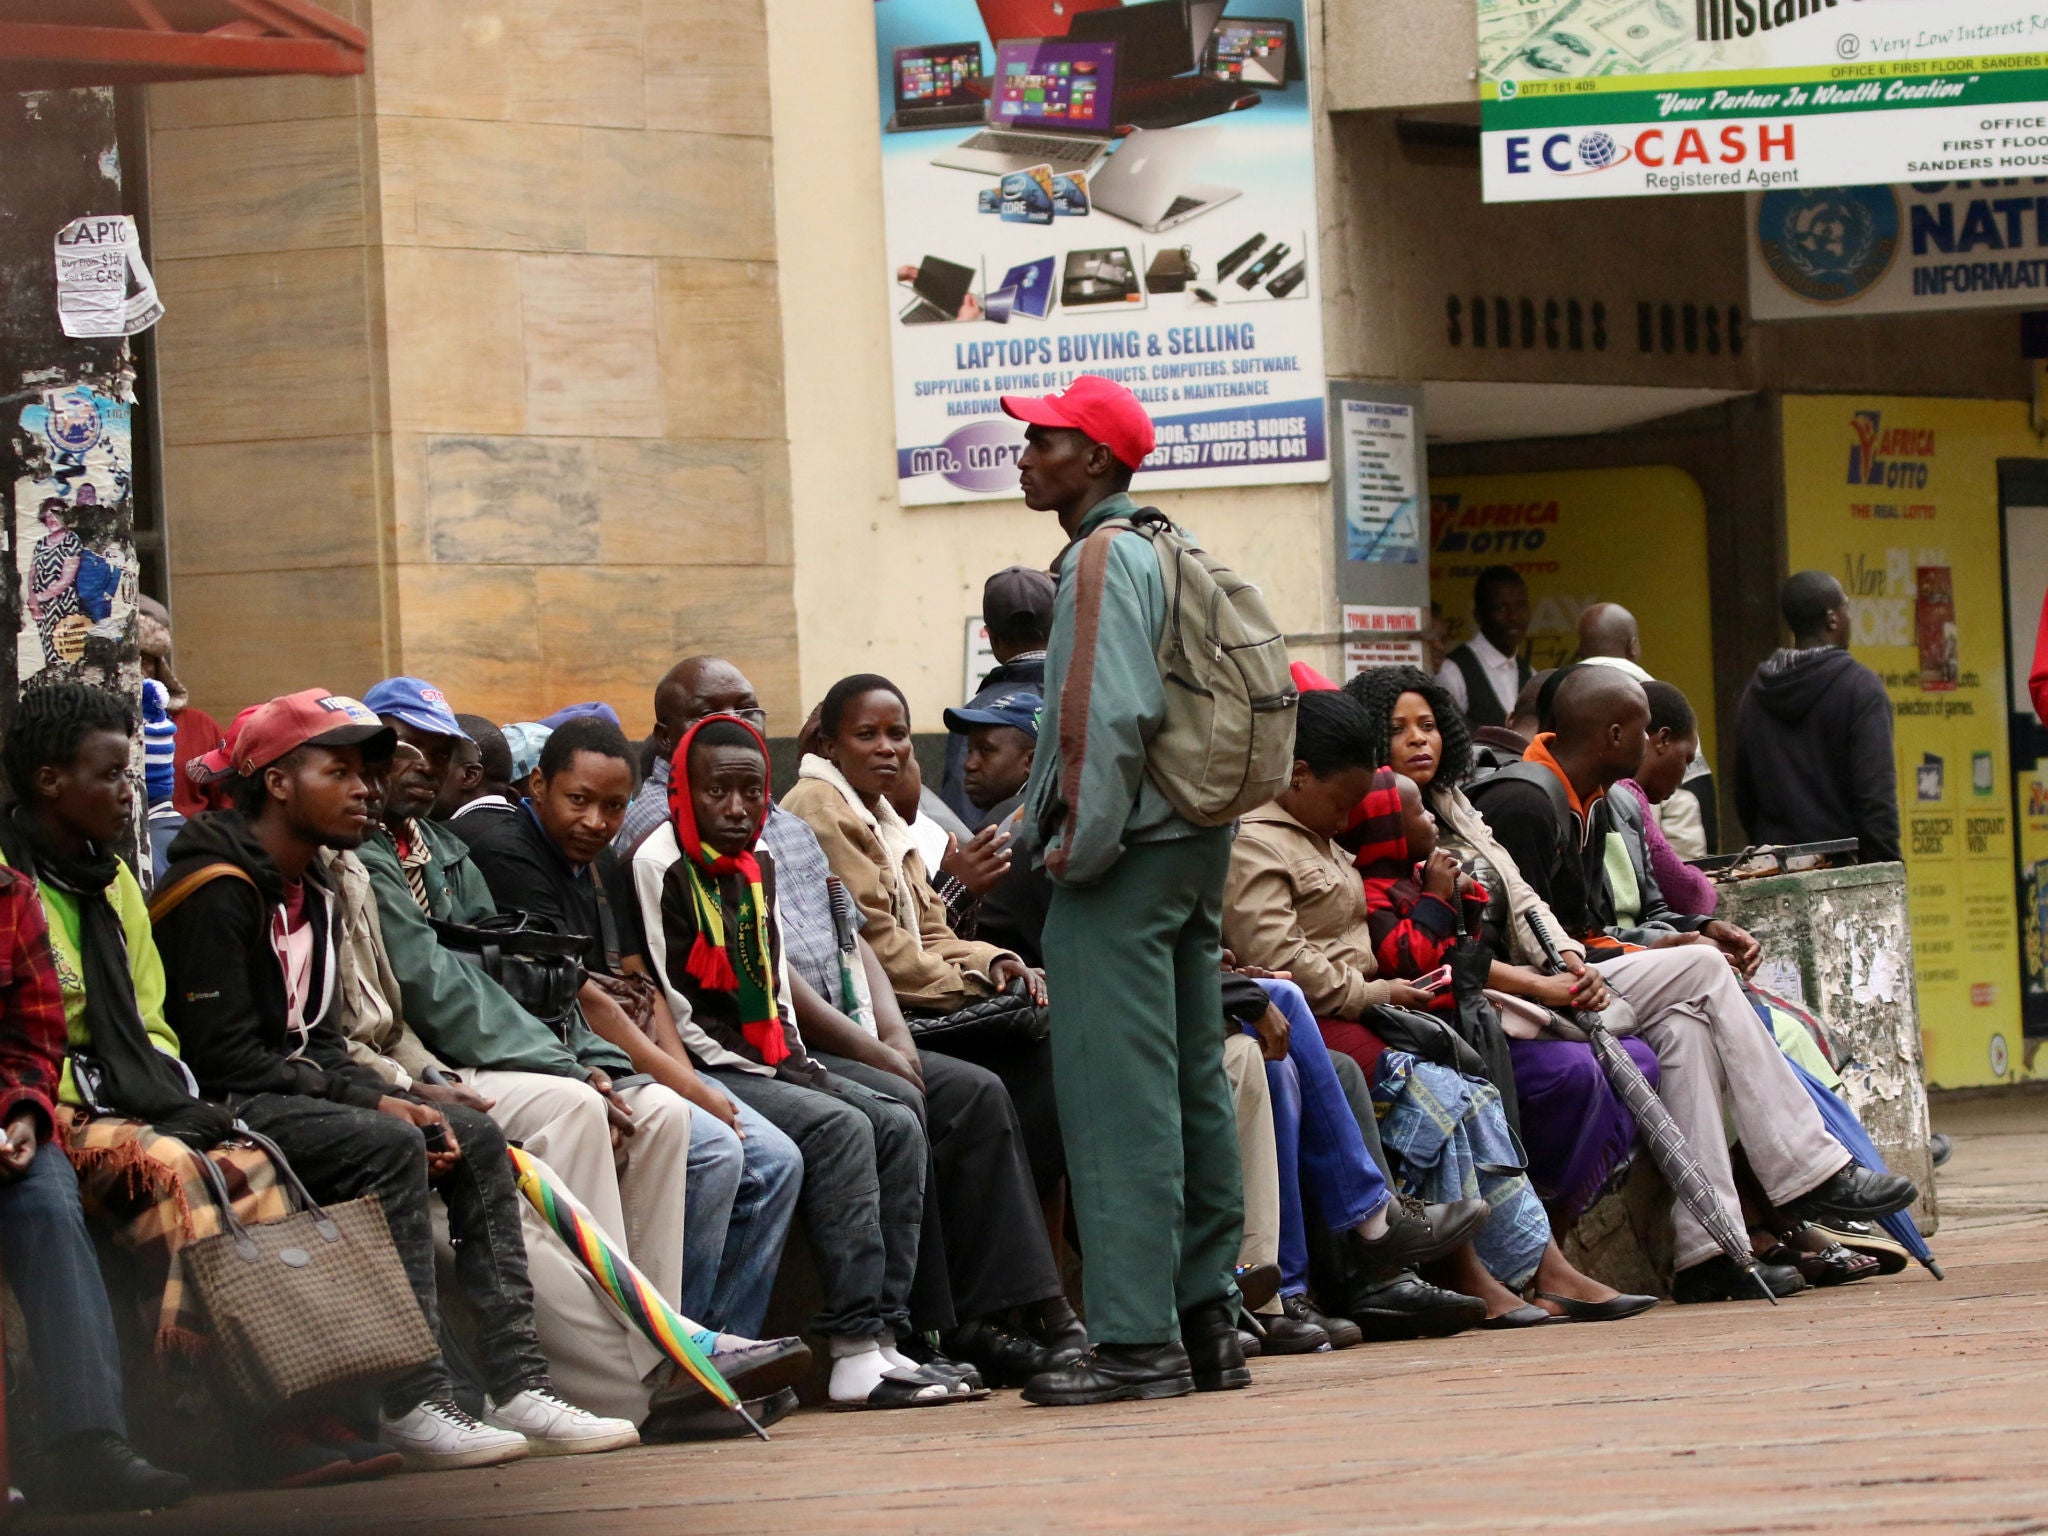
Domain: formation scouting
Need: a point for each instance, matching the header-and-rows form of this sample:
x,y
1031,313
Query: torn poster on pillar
x,y
103,287
72,540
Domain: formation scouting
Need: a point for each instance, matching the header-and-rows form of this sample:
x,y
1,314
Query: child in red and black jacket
x,y
1410,885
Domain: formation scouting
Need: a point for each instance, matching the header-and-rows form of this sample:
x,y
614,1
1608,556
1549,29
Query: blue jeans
x,y
736,1216
1321,1150
49,1260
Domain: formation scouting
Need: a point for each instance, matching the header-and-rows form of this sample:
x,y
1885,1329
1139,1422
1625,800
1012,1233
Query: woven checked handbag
x,y
317,1300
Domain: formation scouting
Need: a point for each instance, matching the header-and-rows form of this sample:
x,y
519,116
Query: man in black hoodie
x,y
246,924
1016,607
1813,739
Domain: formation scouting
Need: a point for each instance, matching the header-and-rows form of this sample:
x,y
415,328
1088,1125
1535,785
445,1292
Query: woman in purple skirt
x,y
1578,1135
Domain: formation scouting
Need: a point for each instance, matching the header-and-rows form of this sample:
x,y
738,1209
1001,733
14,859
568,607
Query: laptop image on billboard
x,y
1159,78
1032,283
1051,102
1150,180
934,87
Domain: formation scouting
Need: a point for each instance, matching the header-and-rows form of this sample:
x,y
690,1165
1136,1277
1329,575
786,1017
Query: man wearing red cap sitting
x,y
1133,942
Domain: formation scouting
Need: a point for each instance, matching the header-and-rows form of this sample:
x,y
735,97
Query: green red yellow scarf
x,y
745,935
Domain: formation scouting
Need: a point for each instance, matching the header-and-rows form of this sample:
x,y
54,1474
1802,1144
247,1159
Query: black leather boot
x,y
1215,1352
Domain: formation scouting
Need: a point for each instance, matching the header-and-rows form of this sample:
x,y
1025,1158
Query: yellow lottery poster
x,y
1899,499
1577,537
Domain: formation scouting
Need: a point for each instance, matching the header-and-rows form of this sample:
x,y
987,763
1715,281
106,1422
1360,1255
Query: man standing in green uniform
x,y
1133,945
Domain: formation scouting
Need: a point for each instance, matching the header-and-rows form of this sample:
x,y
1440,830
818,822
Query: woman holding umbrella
x,y
1293,904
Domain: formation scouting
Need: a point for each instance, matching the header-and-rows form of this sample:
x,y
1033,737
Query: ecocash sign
x,y
1752,149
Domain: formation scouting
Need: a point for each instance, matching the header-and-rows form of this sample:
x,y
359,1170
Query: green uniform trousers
x,y
1132,964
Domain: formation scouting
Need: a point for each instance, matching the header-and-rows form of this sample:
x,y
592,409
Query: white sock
x,y
1374,1226
858,1366
896,1358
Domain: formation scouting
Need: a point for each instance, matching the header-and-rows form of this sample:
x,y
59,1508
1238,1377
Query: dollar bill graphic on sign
x,y
1576,39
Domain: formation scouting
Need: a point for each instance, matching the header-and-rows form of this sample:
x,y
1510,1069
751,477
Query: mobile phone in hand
x,y
1436,980
435,1136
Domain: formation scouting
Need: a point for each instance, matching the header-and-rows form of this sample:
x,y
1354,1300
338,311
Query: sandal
x,y
911,1389
1836,1265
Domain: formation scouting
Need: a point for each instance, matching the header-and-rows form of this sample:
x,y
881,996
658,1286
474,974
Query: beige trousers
x,y
597,1358
1722,1067
1257,1152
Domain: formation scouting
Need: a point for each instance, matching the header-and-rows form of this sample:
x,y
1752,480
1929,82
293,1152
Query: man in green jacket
x,y
550,1091
1133,945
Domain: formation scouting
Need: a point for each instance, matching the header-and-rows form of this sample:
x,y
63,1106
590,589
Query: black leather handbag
x,y
538,964
1425,1037
1010,1016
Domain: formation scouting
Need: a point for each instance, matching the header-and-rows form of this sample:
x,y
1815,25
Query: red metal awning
x,y
45,44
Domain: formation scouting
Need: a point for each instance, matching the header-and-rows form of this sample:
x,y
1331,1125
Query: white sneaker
x,y
439,1437
553,1427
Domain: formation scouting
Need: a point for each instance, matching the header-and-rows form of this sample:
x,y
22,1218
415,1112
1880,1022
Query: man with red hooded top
x,y
1133,944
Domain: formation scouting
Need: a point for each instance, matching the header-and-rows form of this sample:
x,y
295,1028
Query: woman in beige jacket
x,y
842,791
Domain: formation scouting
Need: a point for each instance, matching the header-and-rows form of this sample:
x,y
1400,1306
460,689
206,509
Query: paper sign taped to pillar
x,y
103,286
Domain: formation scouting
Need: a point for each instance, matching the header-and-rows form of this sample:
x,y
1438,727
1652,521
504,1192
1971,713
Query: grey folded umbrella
x,y
1668,1146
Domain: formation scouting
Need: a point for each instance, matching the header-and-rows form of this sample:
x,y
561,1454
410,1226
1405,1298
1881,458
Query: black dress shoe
x,y
97,1470
1258,1284
1286,1334
1416,1233
718,1422
1004,1359
1343,1333
1215,1352
1114,1373
1721,1279
1856,1193
1405,1306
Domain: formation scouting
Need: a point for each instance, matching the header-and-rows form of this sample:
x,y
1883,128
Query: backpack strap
x,y
1542,778
1078,687
172,896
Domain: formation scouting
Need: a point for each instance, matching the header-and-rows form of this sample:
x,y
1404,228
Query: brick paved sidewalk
x,y
1901,1404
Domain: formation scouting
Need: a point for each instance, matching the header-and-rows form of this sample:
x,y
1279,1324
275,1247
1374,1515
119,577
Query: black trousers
x,y
983,1248
342,1153
1026,1071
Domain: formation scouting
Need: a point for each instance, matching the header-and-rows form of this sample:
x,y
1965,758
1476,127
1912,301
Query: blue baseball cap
x,y
568,712
416,702
1017,710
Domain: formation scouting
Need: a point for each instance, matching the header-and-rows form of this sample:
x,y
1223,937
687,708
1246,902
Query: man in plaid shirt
x,y
44,1246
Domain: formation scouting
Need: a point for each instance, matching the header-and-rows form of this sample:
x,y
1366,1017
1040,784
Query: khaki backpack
x,y
1227,743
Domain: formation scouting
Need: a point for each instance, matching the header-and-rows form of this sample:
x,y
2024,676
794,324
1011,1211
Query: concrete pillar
x,y
66,444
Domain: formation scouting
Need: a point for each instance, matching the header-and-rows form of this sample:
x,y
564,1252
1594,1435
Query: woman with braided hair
x,y
1579,1137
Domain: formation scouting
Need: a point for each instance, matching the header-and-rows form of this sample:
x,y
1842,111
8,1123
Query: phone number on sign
x,y
1195,455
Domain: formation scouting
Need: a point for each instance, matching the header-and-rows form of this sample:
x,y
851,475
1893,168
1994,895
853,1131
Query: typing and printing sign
x,y
1125,190
1621,98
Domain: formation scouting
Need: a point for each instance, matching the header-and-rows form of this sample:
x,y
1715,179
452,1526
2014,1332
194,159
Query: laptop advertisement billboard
x,y
1073,186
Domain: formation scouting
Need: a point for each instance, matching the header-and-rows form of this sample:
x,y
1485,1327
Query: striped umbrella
x,y
1668,1146
631,1292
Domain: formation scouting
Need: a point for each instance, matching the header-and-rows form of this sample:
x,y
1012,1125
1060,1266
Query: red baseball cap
x,y
1107,412
220,762
310,718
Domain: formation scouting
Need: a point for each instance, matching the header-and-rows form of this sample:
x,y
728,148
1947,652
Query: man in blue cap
x,y
549,1084
1002,737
